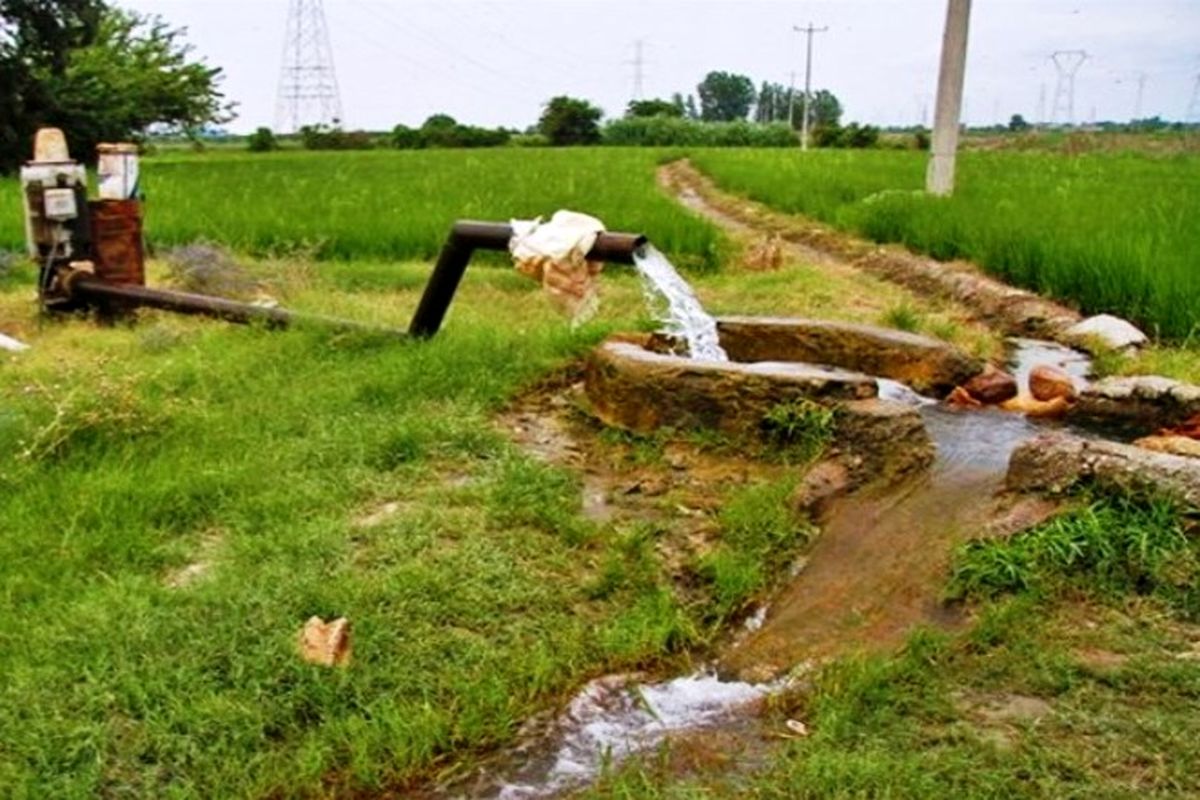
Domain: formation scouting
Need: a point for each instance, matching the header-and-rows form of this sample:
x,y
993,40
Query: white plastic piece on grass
x,y
12,345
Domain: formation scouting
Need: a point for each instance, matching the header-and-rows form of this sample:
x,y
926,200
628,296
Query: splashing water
x,y
683,316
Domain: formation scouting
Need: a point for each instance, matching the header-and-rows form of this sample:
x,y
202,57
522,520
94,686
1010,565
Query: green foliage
x,y
666,131
441,130
1107,232
1115,544
758,528
655,108
1017,124
903,316
321,137
850,137
824,110
570,121
262,141
99,73
725,97
800,429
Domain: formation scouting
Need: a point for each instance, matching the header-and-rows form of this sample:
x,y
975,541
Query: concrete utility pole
x,y
809,31
939,179
792,101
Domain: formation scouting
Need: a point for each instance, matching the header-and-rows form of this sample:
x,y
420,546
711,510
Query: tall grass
x,y
1112,233
394,205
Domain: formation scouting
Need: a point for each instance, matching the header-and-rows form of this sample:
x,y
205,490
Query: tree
x,y
690,109
1017,123
774,103
824,109
262,141
725,97
99,73
653,108
568,120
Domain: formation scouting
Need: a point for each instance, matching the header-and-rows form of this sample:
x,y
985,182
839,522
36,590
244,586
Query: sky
x,y
496,63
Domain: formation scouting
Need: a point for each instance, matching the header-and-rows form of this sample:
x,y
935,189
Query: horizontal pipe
x,y
88,287
465,237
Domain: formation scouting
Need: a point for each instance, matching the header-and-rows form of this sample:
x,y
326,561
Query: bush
x,y
319,137
262,141
852,136
669,131
442,130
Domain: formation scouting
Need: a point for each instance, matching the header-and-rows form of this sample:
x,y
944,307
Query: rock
x,y
1055,462
961,398
928,365
1030,407
12,345
823,483
992,386
1112,332
1152,399
881,441
1048,382
326,643
1176,445
641,391
1189,427
765,255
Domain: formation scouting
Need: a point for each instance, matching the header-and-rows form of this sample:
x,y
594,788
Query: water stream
x,y
683,316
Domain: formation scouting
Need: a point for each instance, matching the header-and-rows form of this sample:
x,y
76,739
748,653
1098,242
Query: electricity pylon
x,y
308,88
1067,63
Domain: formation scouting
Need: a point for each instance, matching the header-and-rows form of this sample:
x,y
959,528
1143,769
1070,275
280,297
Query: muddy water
x,y
878,567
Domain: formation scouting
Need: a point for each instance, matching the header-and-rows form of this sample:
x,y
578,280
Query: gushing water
x,y
683,316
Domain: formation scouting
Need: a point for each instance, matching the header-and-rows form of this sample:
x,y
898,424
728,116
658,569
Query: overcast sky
x,y
495,63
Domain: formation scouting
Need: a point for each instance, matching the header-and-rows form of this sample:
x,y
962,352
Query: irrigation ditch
x,y
927,448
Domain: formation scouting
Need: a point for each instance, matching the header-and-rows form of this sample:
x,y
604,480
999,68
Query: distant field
x,y
394,205
1109,232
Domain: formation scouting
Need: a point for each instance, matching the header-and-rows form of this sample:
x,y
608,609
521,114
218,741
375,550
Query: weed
x,y
798,429
903,317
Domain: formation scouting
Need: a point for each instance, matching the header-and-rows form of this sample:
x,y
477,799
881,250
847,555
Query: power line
x,y
308,89
1066,63
808,31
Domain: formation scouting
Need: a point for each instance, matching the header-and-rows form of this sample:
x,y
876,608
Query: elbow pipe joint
x,y
467,236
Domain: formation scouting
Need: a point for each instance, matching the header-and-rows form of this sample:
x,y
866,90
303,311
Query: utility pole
x,y
809,31
1141,92
792,101
1067,63
939,178
1041,114
308,89
638,63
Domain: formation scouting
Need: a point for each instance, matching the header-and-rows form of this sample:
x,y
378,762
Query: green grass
x,y
395,204
1104,662
1110,232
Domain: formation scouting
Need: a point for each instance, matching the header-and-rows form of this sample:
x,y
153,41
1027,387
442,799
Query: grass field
x,y
1110,232
394,205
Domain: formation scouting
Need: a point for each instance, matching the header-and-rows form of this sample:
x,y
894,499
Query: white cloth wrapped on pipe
x,y
554,254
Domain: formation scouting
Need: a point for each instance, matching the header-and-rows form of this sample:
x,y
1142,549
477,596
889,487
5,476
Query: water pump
x,y
57,222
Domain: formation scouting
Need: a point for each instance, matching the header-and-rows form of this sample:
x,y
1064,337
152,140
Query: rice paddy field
x,y
1108,232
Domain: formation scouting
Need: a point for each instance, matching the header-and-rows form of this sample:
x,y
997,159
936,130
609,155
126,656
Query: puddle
x,y
615,717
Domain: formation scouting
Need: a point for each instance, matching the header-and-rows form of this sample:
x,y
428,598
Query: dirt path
x,y
1013,311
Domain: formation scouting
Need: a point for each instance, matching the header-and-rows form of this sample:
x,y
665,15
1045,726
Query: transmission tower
x,y
639,65
1067,63
308,89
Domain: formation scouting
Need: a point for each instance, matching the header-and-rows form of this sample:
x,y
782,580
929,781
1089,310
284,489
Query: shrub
x,y
673,131
319,137
262,141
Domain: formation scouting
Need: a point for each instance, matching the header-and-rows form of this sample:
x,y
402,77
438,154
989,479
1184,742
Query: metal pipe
x,y
465,237
89,287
